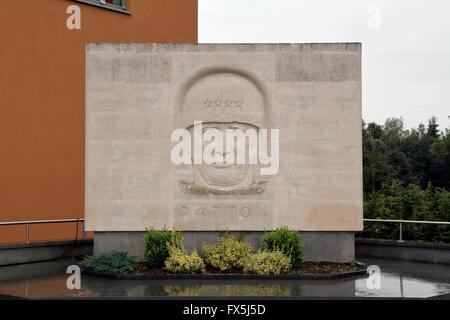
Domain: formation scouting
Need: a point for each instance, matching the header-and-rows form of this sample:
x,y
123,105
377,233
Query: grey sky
x,y
406,56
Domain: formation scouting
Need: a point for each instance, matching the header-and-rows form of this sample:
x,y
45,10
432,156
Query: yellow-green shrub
x,y
267,262
179,262
226,253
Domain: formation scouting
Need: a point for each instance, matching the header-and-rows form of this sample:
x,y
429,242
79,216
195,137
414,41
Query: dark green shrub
x,y
155,246
113,262
288,241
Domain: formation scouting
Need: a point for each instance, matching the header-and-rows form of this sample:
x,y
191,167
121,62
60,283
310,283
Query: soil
x,y
324,268
305,268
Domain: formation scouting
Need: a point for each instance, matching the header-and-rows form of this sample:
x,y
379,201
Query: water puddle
x,y
397,279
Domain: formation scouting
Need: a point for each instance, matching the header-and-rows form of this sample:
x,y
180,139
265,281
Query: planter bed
x,y
308,271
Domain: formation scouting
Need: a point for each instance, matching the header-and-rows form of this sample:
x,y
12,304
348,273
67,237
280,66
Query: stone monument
x,y
138,94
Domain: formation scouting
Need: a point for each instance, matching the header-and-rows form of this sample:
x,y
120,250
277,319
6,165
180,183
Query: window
x,y
116,5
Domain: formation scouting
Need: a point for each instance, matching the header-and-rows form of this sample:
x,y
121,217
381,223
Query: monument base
x,y
333,246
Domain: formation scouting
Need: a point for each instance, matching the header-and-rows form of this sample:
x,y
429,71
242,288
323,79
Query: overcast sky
x,y
406,45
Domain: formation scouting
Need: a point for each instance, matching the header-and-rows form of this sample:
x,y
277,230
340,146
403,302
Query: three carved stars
x,y
221,104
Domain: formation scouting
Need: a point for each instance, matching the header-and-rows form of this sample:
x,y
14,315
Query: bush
x,y
267,262
288,241
179,262
112,262
176,241
155,246
398,202
226,253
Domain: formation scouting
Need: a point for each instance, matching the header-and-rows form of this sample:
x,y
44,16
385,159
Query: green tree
x,y
393,132
440,166
406,176
432,129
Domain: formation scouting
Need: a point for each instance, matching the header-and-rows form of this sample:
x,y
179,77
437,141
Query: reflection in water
x,y
233,290
190,288
405,279
398,279
397,285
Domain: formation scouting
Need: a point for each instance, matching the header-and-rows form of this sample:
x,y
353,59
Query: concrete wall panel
x,y
310,92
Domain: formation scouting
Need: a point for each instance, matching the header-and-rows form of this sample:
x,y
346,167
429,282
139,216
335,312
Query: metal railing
x,y
78,220
401,222
28,223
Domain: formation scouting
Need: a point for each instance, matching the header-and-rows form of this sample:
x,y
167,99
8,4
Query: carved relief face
x,y
227,176
223,100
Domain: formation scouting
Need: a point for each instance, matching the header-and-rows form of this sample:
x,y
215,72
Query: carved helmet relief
x,y
223,99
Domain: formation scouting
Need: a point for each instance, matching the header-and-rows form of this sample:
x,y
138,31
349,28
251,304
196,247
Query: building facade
x,y
42,101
